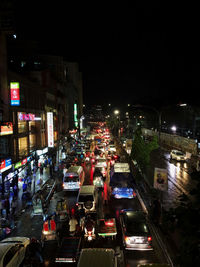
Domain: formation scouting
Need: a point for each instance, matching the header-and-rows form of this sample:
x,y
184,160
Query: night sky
x,y
128,54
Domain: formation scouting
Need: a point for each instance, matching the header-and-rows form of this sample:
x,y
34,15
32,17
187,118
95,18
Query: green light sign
x,y
75,115
18,164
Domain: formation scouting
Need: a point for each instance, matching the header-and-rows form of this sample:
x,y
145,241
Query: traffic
x,y
95,208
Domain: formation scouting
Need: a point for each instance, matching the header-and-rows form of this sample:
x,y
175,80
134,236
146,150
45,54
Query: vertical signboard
x,y
14,94
160,179
75,115
50,129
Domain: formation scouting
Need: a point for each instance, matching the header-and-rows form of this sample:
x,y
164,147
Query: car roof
x,y
5,247
134,214
17,239
96,257
87,189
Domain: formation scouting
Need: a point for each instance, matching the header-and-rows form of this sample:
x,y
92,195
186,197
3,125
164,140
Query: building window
x,y
32,141
31,125
23,147
22,126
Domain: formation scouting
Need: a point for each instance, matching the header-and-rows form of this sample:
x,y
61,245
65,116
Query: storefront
x,y
5,168
42,154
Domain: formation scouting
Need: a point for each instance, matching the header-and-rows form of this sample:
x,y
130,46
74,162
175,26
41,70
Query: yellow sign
x,y
160,179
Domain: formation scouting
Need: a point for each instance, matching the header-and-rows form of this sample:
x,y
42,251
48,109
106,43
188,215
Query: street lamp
x,y
116,112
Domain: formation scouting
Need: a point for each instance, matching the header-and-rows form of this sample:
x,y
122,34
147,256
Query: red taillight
x,y
109,223
89,233
149,238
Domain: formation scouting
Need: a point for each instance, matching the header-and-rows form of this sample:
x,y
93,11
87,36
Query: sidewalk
x,y
44,177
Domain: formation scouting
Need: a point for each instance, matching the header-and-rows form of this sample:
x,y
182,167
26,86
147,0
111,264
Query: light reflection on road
x,y
179,181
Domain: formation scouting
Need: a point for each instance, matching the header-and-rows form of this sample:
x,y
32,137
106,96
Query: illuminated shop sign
x,y
50,129
6,128
41,152
75,115
26,116
22,162
5,165
14,94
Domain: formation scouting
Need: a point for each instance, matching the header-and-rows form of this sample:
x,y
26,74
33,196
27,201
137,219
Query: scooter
x,y
89,231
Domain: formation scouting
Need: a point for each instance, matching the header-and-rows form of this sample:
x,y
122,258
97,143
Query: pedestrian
x,y
24,186
15,191
41,169
1,207
156,212
29,181
13,206
7,206
72,225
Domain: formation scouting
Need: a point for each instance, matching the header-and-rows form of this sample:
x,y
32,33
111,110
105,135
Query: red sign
x,y
2,164
24,161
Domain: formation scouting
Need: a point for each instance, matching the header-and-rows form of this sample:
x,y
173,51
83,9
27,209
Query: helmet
x,y
33,240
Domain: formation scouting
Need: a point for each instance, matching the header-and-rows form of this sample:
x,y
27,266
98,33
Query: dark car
x,y
135,230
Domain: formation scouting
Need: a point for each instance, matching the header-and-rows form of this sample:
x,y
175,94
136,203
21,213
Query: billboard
x,y
50,133
6,128
14,94
5,164
160,179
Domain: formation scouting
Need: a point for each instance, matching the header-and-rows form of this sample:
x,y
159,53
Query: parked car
x,y
13,250
177,155
135,230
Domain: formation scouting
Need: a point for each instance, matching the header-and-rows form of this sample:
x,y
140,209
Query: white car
x,y
12,251
177,155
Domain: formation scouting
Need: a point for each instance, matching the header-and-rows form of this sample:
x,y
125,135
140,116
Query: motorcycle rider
x,y
89,224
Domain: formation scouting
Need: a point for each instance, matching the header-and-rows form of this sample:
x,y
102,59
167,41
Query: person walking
x,y
24,186
1,207
7,206
41,169
15,191
72,226
14,206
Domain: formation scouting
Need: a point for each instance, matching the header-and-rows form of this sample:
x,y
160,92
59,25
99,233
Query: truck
x,y
99,257
122,181
69,250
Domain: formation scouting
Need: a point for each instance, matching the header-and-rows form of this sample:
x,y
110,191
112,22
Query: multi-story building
x,y
37,97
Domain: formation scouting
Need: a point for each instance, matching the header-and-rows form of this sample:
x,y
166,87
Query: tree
x,y
141,150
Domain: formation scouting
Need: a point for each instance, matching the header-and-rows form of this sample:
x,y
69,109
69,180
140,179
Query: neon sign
x,y
26,117
14,94
50,129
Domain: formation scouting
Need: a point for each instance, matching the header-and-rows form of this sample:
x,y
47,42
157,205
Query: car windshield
x,y
70,179
135,226
179,153
85,198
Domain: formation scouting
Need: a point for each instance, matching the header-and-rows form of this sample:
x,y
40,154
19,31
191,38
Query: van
x,y
88,198
73,178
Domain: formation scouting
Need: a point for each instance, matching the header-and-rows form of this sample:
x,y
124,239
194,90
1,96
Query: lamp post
x,y
117,113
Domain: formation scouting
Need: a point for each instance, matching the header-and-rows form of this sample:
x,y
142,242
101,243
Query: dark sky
x,y
127,53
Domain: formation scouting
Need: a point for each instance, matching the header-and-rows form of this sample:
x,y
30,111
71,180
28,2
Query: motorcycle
x,y
89,230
